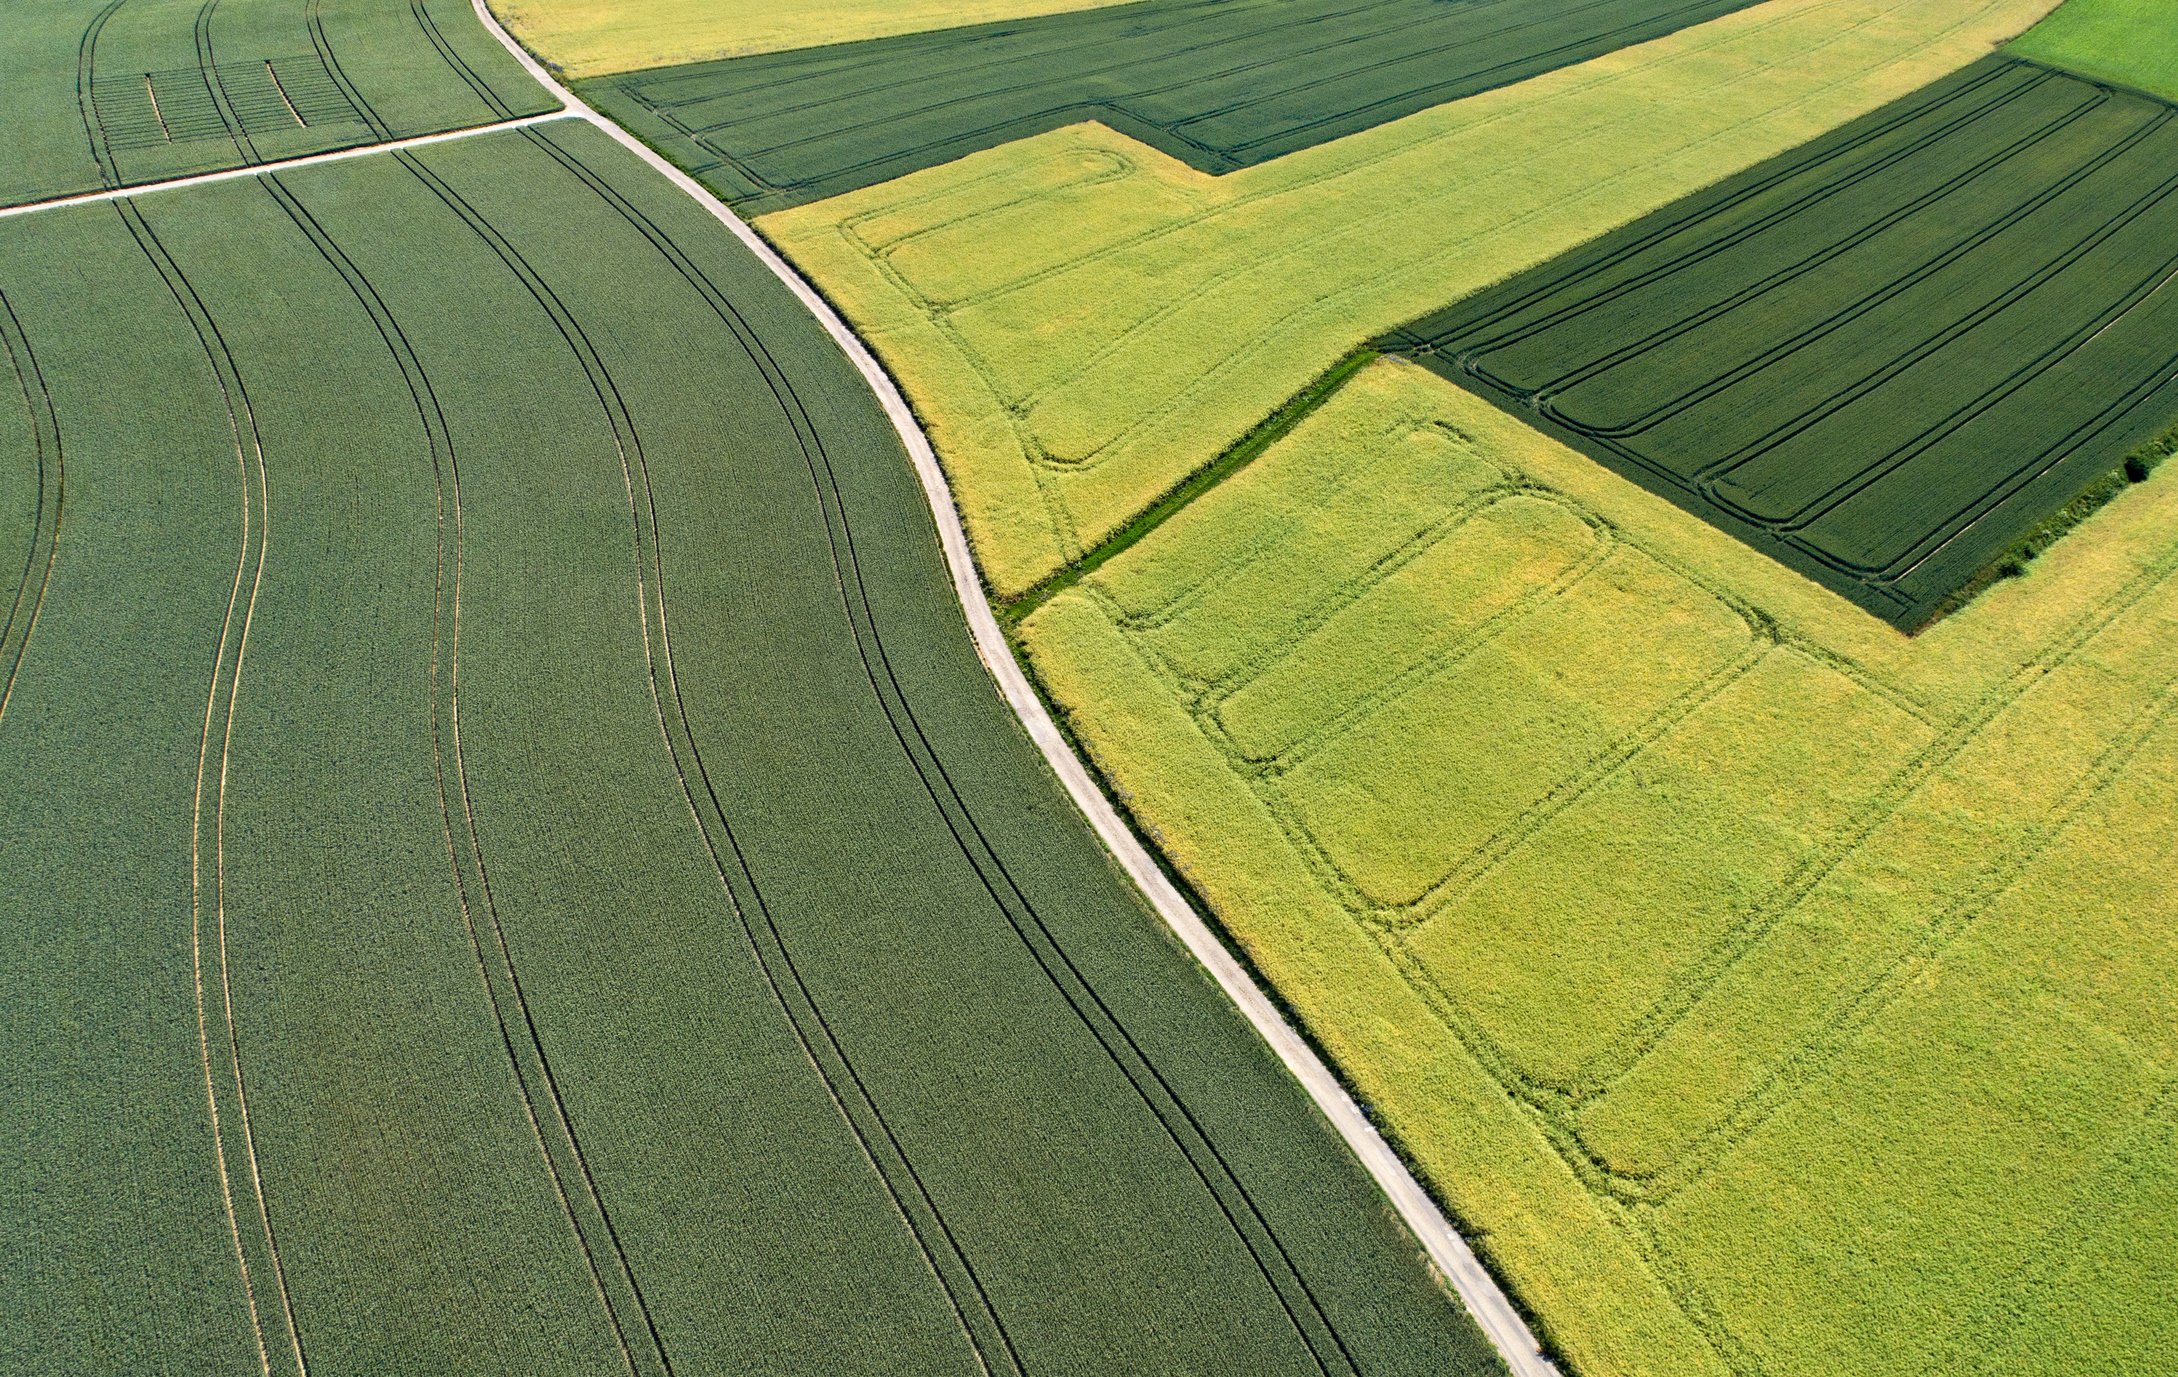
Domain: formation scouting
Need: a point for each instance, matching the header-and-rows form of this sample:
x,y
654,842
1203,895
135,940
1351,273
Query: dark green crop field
x,y
109,93
1882,357
1222,84
512,862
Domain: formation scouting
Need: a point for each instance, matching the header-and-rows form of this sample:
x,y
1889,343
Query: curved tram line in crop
x,y
44,549
219,709
880,1145
494,962
270,1311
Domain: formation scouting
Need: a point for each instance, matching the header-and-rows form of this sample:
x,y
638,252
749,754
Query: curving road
x,y
1492,1310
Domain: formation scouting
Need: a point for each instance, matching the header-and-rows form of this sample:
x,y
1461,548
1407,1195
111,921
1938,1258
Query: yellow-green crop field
x,y
588,37
1766,992
1082,321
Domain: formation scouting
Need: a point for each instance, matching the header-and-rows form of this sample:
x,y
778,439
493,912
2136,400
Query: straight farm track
x,y
1882,357
623,930
111,93
1218,84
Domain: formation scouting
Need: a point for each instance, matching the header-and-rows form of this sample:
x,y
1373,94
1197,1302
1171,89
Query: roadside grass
x,y
1765,989
104,95
2131,42
1082,322
514,860
585,38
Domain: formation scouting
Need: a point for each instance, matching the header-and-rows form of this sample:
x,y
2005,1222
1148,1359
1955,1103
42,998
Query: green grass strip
x,y
1267,432
2052,528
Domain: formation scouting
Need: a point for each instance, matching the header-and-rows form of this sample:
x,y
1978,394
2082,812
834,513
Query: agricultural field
x,y
109,93
1883,357
589,37
2130,42
1218,84
1765,991
513,864
1082,322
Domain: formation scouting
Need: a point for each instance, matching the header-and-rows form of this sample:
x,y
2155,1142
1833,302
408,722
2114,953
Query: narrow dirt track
x,y
1485,1300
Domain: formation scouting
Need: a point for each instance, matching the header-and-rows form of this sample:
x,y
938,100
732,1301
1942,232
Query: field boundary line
x,y
235,174
1492,1309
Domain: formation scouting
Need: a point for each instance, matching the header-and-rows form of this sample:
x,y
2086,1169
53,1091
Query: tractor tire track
x,y
880,1145
1148,1083
86,95
527,1059
45,438
219,714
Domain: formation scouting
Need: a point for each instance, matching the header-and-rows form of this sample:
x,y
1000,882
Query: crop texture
x,y
1083,322
591,37
1767,991
109,93
2132,42
1218,84
515,866
1881,357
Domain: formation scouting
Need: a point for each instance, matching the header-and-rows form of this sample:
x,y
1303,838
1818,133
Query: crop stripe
x,y
526,1057
219,712
1285,1281
880,1145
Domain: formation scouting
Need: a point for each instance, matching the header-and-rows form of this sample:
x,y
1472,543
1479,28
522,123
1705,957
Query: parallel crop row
x,y
1882,357
1219,85
499,763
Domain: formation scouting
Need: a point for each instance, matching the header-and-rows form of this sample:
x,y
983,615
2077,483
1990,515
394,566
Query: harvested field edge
x,y
1497,1316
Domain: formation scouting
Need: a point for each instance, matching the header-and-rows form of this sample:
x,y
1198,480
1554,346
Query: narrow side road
x,y
232,174
1485,1300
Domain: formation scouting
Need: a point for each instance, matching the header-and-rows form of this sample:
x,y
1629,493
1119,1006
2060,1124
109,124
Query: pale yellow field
x,y
1082,321
1767,992
593,37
